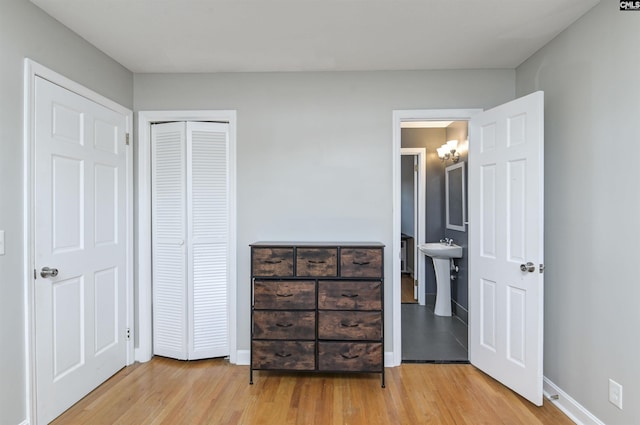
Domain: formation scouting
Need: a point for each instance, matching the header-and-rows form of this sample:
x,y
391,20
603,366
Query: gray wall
x,y
315,149
430,139
460,287
407,201
26,31
590,75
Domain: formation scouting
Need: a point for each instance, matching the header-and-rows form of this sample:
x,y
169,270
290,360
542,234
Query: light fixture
x,y
448,151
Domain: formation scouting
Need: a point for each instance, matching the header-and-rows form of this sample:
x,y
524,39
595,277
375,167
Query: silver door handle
x,y
529,267
48,272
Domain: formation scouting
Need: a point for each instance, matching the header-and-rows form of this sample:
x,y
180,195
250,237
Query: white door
x,y
80,231
506,244
190,232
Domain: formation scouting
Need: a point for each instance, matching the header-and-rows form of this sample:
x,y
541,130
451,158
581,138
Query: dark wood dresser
x,y
317,307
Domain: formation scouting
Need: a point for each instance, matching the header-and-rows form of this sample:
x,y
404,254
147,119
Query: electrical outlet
x,y
615,393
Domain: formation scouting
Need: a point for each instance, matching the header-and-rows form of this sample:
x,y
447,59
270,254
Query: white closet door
x,y
190,231
169,230
208,235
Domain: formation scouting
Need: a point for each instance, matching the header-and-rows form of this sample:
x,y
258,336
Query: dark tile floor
x,y
427,338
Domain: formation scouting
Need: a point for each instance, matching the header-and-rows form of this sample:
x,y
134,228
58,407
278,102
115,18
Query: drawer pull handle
x,y
283,354
361,263
284,295
349,295
284,325
316,261
272,261
349,325
349,356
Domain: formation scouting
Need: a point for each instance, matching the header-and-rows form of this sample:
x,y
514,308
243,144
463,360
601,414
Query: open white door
x,y
506,244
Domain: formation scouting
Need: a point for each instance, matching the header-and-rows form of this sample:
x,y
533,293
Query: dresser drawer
x,y
284,324
350,356
317,262
272,262
361,262
346,295
284,295
290,355
350,325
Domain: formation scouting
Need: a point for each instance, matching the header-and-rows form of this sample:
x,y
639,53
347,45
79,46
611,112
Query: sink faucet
x,y
447,241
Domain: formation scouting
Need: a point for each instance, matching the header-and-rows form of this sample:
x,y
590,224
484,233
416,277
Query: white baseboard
x,y
389,360
574,410
243,357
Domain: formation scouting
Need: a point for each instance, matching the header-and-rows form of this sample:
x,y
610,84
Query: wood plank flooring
x,y
407,290
165,391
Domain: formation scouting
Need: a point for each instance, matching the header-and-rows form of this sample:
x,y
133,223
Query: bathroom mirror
x,y
455,197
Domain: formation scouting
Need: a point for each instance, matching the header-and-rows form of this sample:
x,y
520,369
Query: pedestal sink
x,y
442,253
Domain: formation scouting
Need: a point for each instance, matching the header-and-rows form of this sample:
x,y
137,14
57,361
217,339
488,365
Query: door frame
x,y
419,197
398,117
144,350
32,70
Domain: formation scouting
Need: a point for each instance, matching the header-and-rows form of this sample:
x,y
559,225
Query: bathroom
x,y
427,337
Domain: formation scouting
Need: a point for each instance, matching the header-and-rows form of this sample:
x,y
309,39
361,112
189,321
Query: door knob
x,y
529,267
48,272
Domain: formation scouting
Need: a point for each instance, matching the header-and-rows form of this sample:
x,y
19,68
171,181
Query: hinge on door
x,y
35,274
128,333
126,138
541,268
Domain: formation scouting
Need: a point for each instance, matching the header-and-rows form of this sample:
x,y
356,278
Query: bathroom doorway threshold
x,y
428,338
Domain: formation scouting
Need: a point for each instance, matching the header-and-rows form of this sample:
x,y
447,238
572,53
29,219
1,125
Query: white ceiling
x,y
316,35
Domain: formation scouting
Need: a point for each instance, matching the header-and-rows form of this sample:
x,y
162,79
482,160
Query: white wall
x,y
591,78
315,149
26,31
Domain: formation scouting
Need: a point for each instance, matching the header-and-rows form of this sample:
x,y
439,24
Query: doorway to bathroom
x,y
506,239
428,337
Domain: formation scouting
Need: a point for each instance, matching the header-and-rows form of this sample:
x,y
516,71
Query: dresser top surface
x,y
316,244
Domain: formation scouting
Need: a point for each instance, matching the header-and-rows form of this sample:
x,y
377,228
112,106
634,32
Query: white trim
x,y
398,117
243,357
144,352
31,70
574,410
418,260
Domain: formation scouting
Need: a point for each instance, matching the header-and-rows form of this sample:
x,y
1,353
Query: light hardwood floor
x,y
165,391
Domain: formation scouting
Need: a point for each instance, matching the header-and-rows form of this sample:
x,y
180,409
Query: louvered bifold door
x,y
208,236
169,234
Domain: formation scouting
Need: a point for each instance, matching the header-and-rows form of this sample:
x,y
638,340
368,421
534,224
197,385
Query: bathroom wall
x,y
460,287
589,75
430,138
407,201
